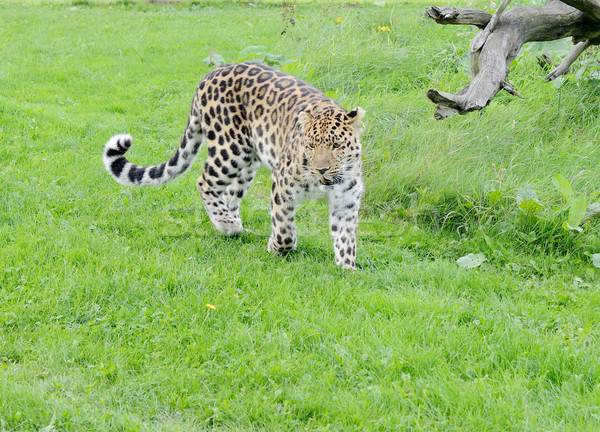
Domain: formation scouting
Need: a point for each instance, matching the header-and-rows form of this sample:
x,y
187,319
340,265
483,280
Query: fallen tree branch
x,y
450,15
564,66
496,46
482,36
509,88
545,60
590,8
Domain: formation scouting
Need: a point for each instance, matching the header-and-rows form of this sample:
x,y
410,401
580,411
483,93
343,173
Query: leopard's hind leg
x,y
237,189
226,178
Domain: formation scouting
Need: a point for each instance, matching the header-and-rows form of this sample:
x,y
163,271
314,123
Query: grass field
x,y
104,290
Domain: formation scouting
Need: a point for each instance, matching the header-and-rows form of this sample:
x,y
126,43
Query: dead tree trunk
x,y
501,36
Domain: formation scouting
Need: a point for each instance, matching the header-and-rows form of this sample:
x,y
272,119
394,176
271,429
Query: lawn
x,y
124,310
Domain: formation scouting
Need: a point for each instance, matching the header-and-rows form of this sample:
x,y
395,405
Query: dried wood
x,y
564,66
501,38
590,8
446,15
481,37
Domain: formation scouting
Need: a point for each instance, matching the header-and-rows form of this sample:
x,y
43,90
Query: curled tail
x,y
130,174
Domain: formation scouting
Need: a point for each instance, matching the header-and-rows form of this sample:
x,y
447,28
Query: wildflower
x,y
339,20
384,29
208,305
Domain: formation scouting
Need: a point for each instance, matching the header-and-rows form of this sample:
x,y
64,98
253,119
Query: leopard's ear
x,y
355,116
305,120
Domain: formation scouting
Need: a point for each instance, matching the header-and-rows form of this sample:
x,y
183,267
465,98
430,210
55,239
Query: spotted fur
x,y
250,114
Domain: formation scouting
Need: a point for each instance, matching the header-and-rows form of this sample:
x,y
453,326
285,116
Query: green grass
x,y
103,289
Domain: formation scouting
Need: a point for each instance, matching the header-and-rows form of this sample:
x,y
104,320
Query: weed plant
x,y
123,310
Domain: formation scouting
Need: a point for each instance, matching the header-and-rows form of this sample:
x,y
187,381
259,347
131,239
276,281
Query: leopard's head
x,y
331,143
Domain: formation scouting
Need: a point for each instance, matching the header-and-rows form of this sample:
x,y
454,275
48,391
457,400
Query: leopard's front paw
x,y
281,245
346,264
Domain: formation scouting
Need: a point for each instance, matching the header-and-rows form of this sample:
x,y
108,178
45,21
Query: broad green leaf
x,y
495,197
470,261
563,185
530,206
556,48
214,59
558,82
253,50
577,211
526,193
274,59
289,66
529,238
568,227
596,260
592,210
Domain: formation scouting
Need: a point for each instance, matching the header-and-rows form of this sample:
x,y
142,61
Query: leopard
x,y
251,114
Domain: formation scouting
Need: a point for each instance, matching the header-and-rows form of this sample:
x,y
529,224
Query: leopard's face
x,y
331,145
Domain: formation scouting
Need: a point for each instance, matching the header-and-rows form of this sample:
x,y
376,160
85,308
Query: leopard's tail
x,y
130,174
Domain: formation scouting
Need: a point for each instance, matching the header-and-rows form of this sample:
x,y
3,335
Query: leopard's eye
x,y
337,145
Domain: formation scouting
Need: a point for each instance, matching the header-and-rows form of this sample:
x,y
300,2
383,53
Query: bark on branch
x,y
500,39
568,61
451,15
590,8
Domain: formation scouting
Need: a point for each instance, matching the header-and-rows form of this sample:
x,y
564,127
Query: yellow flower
x,y
339,20
208,305
386,28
